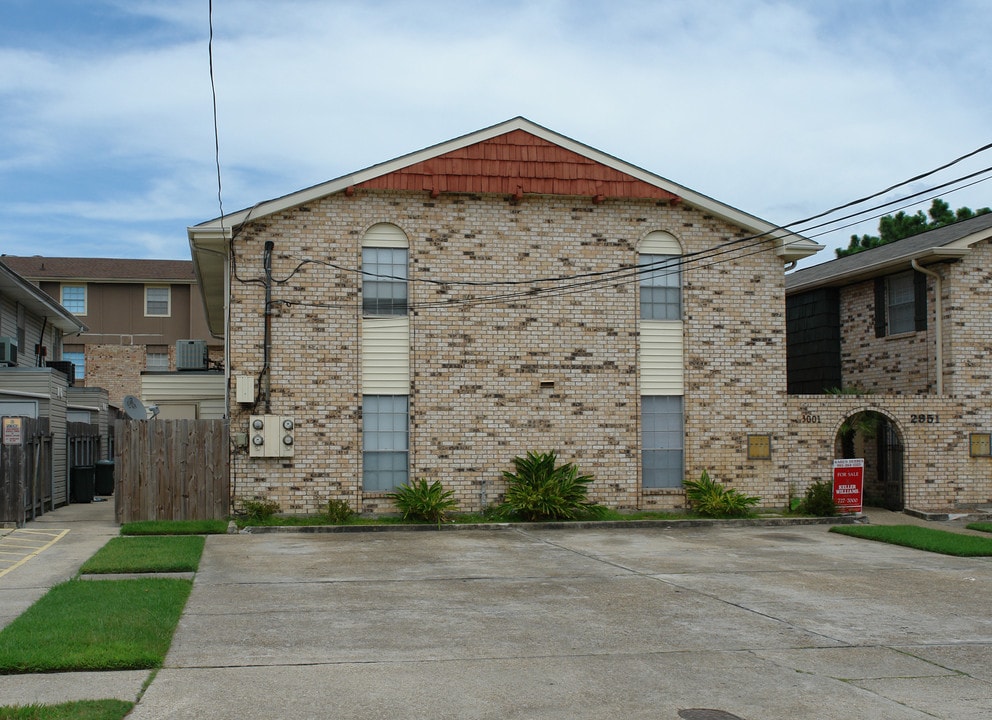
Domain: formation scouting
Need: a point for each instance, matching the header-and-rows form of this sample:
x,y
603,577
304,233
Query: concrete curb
x,y
578,525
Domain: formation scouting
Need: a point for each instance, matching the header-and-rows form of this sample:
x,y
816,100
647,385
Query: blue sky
x,y
782,109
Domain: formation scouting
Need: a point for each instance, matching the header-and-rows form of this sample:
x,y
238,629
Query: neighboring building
x,y
510,290
33,328
138,312
907,328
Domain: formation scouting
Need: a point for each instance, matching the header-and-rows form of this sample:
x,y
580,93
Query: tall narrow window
x,y
157,301
385,442
74,299
662,437
661,287
384,271
384,281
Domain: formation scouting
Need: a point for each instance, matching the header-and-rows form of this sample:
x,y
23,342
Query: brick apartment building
x,y
510,290
907,329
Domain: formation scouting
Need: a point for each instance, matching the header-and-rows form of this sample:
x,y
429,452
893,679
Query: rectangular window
x,y
156,357
385,442
157,301
661,287
384,281
77,358
662,437
74,299
900,305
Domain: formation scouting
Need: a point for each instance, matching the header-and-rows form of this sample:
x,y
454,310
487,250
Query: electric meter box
x,y
271,436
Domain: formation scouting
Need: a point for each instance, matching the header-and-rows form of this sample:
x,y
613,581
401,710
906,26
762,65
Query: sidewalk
x,y
45,552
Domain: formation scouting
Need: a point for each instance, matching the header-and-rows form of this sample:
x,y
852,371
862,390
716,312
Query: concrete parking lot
x,y
705,624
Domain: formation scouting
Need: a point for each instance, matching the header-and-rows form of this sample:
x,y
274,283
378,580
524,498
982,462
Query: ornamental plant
x,y
711,499
540,489
419,500
819,500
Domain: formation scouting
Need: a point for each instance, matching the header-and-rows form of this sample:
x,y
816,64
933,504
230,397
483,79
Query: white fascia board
x,y
209,248
39,302
865,272
797,246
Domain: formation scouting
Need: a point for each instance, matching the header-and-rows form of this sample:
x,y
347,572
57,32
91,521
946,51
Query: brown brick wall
x,y
116,368
477,367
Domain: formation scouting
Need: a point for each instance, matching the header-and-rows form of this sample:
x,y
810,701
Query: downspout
x,y
267,346
938,325
39,361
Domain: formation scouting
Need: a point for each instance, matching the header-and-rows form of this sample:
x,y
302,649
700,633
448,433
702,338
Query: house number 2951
x,y
924,419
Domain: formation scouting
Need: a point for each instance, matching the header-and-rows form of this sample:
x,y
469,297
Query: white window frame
x,y
670,441
383,439
168,300
74,286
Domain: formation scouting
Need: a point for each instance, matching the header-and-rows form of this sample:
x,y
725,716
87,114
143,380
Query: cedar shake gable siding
x,y
514,164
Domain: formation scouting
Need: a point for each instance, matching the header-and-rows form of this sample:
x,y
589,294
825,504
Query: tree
x,y
899,226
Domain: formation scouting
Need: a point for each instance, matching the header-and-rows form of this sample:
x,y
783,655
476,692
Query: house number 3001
x,y
924,419
810,418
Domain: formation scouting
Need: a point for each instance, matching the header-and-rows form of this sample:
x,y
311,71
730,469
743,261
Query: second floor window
x,y
157,301
900,304
74,299
77,358
384,281
661,287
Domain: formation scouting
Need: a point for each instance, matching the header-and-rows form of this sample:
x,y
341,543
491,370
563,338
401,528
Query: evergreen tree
x,y
899,226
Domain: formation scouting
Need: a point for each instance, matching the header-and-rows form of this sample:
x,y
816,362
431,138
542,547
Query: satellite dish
x,y
134,408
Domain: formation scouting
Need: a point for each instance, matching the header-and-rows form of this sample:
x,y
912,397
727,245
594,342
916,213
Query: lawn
x,y
95,625
180,553
921,538
80,710
175,527
982,526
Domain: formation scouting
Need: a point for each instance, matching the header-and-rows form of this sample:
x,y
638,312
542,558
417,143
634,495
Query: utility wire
x,y
213,95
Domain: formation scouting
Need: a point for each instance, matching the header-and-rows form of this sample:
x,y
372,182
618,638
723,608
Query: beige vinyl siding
x,y
659,243
386,356
190,395
385,235
661,361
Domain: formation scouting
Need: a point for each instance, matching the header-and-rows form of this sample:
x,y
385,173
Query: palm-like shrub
x,y
540,489
711,499
419,500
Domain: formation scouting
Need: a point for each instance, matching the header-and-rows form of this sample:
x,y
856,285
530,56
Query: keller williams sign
x,y
849,484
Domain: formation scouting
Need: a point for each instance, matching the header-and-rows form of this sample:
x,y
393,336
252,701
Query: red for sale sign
x,y
849,484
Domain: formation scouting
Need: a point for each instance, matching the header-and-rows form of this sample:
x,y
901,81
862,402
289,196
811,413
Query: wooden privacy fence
x,y
171,470
26,474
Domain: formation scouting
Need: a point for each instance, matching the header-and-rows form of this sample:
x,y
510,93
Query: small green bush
x,y
419,500
337,512
539,489
819,500
259,510
711,499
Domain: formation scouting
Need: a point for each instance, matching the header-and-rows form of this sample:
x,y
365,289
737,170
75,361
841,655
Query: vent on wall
x,y
191,355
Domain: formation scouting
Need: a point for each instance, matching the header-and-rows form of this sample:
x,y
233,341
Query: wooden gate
x,y
171,470
26,474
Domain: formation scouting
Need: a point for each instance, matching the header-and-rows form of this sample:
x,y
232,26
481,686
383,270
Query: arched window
x,y
385,253
661,280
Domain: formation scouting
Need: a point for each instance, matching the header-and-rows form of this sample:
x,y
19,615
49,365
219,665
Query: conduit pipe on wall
x,y
938,324
267,346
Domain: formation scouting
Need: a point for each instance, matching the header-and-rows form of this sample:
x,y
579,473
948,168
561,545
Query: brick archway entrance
x,y
876,438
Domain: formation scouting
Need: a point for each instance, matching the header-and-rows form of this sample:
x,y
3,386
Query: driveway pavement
x,y
759,623
704,624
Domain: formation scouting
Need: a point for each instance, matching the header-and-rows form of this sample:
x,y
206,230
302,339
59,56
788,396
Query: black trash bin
x,y
104,477
82,484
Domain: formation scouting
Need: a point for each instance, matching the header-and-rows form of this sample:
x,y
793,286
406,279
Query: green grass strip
x,y
79,710
95,625
921,538
982,526
175,527
179,553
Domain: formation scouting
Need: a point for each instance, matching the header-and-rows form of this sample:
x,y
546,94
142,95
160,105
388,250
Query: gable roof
x,y
515,158
949,242
36,268
14,286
